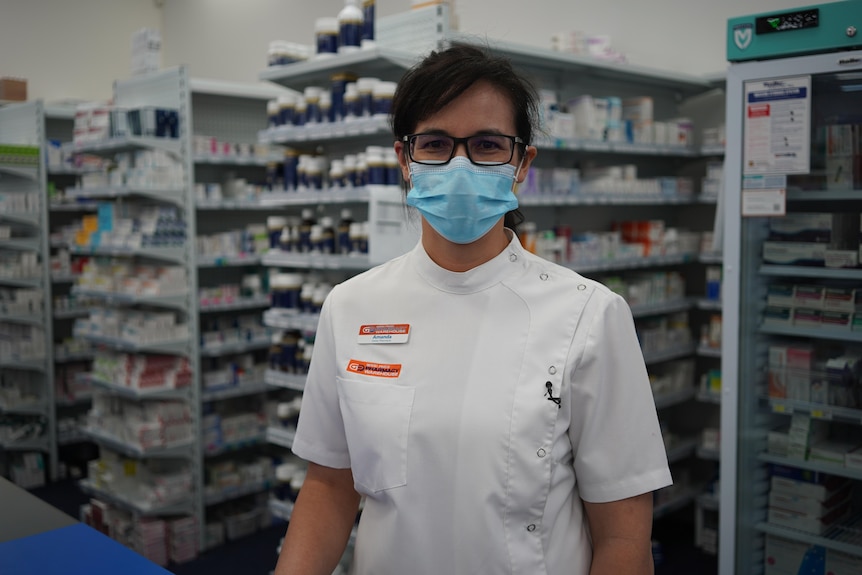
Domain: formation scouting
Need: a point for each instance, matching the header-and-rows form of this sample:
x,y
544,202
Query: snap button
x,y
541,452
513,257
582,287
543,276
531,527
552,370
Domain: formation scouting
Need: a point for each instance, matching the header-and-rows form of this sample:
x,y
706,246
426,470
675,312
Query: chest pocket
x,y
376,418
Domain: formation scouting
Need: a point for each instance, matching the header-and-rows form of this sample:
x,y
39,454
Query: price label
x,y
820,414
130,467
782,408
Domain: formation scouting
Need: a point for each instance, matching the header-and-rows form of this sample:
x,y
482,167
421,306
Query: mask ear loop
x,y
515,183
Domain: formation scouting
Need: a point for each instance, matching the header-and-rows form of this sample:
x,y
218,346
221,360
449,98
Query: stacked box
x,y
806,500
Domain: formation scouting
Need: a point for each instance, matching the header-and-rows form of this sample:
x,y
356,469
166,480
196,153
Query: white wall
x,y
76,48
71,48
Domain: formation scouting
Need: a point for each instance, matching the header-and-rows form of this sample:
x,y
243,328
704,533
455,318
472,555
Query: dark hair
x,y
444,75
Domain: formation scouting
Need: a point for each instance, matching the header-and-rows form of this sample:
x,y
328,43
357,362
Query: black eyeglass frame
x,y
408,140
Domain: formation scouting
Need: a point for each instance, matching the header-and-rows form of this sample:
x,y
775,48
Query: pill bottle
x,y
337,84
311,94
367,23
376,171
365,86
326,242
393,168
381,95
352,105
336,174
286,109
275,225
273,114
291,169
326,33
342,233
350,20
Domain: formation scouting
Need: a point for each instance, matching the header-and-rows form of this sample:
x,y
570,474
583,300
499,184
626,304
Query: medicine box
x,y
805,483
13,89
785,557
804,522
794,253
789,501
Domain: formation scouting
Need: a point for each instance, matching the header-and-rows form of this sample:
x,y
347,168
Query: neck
x,y
464,257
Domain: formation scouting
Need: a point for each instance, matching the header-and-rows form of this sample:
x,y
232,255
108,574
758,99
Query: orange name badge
x,y
374,369
384,333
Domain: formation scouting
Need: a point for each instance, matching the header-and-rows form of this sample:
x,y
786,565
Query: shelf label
x,y
782,408
821,414
760,203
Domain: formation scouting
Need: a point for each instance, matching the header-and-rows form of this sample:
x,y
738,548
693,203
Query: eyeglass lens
x,y
485,149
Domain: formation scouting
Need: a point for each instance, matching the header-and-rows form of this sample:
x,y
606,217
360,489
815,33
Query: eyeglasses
x,y
482,150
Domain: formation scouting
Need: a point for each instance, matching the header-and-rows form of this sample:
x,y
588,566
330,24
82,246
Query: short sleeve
x,y
320,436
615,434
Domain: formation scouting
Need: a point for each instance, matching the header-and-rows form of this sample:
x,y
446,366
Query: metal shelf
x,y
175,255
707,397
136,394
811,272
284,319
708,304
843,537
619,199
235,445
708,454
239,304
629,264
232,493
21,282
77,207
73,357
25,364
175,301
294,381
28,218
668,354
28,319
228,261
23,172
71,313
281,509
114,444
23,244
277,258
815,410
280,436
111,146
683,449
674,398
823,195
325,132
222,160
178,347
240,347
222,393
812,333
645,310
668,507
174,195
840,470
601,146
179,508
377,62
40,444
39,408
707,351
306,198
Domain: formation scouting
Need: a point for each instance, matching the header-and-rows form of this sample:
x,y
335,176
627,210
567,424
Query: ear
x,y
403,161
529,155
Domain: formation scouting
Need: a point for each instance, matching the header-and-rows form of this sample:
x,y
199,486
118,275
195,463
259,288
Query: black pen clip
x,y
550,394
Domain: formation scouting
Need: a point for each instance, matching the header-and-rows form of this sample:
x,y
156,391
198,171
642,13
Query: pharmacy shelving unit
x,y
569,76
232,114
168,89
70,358
22,125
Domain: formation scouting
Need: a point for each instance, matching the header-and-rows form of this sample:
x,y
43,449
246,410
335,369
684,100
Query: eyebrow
x,y
486,132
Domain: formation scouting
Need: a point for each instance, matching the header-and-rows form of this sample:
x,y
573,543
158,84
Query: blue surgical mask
x,y
461,200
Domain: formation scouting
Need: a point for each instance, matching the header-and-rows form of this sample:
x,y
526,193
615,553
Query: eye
x,y
488,144
432,144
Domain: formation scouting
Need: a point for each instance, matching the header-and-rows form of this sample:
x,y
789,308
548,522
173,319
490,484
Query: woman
x,y
493,408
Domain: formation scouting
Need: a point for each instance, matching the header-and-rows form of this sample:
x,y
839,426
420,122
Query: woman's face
x,y
482,109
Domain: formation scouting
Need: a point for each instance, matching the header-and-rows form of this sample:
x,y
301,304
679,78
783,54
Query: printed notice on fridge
x,y
777,126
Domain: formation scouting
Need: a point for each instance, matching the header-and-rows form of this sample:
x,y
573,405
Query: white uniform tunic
x,y
467,465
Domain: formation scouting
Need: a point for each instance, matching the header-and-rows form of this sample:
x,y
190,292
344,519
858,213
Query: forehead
x,y
481,107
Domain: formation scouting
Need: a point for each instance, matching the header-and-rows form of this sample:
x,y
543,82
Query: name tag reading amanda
x,y
384,333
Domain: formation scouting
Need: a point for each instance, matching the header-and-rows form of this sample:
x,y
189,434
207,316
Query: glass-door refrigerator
x,y
791,455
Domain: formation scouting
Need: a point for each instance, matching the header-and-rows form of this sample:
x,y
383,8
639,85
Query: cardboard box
x,y
14,89
785,557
